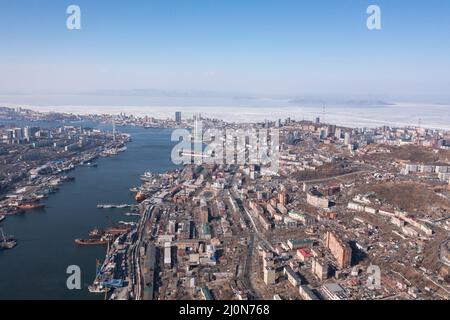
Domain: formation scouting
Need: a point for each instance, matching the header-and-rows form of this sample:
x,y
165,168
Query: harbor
x,y
46,236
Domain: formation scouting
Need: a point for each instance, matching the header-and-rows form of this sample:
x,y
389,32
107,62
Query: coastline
x,y
46,237
398,114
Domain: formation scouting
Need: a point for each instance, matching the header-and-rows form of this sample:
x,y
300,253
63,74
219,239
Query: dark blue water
x,y
36,268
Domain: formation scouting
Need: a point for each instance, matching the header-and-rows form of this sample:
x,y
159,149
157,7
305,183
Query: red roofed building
x,y
303,254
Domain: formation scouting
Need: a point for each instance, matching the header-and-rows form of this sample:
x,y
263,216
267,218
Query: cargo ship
x,y
30,206
121,229
91,242
100,237
96,237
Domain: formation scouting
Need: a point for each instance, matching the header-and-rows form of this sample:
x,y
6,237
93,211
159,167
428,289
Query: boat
x,y
118,230
7,242
66,178
104,206
128,223
91,242
30,206
109,206
2,217
147,177
93,165
96,233
97,289
131,214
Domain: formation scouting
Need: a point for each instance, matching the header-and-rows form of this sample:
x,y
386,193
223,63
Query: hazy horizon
x,y
259,49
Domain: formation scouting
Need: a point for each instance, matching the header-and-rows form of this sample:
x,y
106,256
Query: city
x,y
351,214
225,159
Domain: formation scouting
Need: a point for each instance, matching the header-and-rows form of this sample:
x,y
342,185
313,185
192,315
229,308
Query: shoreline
x,y
407,114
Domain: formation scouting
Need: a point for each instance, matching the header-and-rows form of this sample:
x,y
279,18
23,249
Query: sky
x,y
258,48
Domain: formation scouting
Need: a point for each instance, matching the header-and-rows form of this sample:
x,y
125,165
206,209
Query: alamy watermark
x,y
374,19
73,21
253,146
73,282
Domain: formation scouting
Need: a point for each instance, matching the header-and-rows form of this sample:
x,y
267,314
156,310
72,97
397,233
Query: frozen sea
x,y
243,109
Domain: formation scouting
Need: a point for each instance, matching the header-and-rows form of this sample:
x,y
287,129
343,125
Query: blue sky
x,y
256,47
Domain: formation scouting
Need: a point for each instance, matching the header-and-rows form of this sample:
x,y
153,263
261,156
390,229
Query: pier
x,y
115,206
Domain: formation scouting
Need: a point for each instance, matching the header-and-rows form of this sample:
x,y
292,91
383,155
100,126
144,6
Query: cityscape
x,y
225,158
352,213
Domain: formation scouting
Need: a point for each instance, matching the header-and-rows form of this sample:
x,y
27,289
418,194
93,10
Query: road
x,y
135,255
321,180
255,234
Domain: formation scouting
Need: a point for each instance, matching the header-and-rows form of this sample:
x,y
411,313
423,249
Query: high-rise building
x,y
114,130
18,133
320,268
198,131
269,276
9,134
317,199
203,215
171,227
178,117
341,250
347,138
282,198
26,133
337,133
167,254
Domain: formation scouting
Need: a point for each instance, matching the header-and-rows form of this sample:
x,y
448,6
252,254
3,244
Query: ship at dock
x,y
96,233
114,272
30,206
90,164
110,206
67,179
134,189
92,242
100,237
147,177
118,230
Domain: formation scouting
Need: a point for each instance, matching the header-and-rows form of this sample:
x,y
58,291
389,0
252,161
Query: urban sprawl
x,y
350,213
